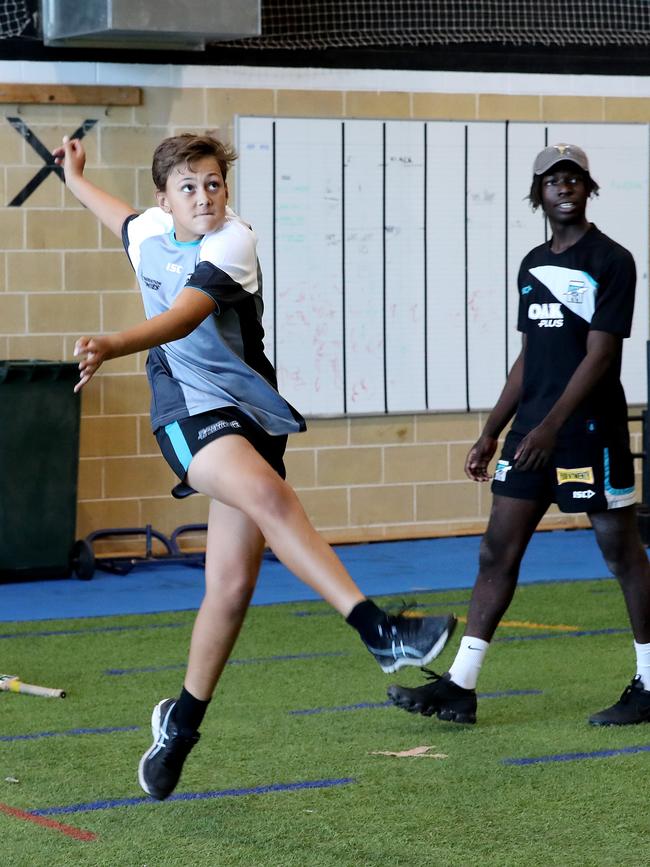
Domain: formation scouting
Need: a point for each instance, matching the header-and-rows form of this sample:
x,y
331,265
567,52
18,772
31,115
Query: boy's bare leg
x,y
233,557
509,531
618,538
619,541
250,503
453,696
230,470
234,553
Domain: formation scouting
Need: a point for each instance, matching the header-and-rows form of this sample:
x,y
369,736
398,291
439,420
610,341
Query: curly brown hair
x,y
183,149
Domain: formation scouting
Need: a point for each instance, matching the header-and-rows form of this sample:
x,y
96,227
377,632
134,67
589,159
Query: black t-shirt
x,y
562,296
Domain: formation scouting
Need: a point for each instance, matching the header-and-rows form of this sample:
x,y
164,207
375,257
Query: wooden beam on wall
x,y
69,94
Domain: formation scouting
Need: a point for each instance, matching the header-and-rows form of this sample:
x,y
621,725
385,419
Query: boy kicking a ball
x,y
220,424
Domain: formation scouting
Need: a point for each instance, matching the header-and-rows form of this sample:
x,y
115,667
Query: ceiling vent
x,y
148,24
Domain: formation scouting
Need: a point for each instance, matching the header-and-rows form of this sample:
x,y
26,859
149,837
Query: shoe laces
x,y
163,737
174,748
402,608
403,619
396,644
431,675
629,689
393,630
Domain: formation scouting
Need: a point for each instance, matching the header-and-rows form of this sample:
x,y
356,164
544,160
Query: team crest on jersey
x,y
575,290
581,475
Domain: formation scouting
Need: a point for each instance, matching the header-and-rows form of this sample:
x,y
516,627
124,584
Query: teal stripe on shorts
x,y
616,492
179,443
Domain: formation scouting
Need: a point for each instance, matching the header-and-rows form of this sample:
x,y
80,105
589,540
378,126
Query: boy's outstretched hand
x,y
71,156
95,350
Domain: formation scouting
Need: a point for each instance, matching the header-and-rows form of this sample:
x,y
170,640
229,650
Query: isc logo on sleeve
x,y
175,269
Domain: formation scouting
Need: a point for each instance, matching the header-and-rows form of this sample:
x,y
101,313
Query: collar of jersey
x,y
172,238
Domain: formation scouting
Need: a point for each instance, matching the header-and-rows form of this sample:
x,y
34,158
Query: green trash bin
x,y
39,460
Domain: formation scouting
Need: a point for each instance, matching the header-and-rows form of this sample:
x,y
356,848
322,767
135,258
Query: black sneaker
x,y
160,767
403,640
632,707
442,696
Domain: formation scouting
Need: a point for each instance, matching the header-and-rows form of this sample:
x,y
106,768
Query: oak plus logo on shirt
x,y
547,315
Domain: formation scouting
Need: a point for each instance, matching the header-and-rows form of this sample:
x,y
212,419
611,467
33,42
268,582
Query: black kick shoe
x,y
632,707
160,767
403,640
441,696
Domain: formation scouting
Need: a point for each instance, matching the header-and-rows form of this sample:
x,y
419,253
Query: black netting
x,y
359,23
14,17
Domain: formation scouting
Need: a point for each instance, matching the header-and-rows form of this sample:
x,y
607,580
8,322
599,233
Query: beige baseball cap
x,y
559,153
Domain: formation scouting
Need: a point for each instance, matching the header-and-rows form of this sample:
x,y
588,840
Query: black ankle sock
x,y
189,712
365,617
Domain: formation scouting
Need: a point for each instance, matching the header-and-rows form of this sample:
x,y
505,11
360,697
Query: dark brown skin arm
x,y
536,447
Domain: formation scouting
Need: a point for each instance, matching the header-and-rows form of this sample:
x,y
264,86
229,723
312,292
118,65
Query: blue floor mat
x,y
379,568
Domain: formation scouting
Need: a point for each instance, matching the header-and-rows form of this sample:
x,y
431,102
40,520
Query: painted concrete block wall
x,y
62,275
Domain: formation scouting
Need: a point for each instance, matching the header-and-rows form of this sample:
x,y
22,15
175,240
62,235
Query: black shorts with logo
x,y
181,440
585,474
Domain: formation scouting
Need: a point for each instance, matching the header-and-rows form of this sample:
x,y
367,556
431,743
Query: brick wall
x,y
62,275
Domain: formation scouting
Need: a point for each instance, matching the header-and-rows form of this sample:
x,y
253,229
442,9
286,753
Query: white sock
x,y
643,663
465,668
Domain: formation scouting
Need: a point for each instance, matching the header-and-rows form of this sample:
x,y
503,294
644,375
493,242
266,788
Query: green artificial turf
x,y
466,809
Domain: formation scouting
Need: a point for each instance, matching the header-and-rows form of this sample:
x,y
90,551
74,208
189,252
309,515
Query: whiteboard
x,y
390,252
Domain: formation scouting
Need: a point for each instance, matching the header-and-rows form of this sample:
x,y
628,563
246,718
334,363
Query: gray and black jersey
x,y
222,362
562,297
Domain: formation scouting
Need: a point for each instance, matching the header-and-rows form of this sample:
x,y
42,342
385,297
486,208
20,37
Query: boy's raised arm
x,y
110,210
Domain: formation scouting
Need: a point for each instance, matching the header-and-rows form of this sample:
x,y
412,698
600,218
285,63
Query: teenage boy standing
x,y
569,441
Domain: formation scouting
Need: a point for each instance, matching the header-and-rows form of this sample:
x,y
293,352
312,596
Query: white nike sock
x,y
465,668
643,663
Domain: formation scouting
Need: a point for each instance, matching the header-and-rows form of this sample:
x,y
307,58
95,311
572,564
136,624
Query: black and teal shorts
x,y
584,474
182,439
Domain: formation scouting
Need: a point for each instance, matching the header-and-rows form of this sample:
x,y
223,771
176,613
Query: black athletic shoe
x,y
160,767
443,697
403,640
632,707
